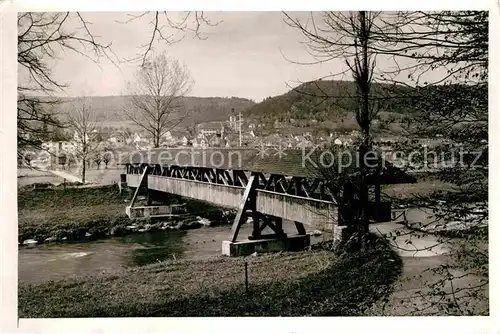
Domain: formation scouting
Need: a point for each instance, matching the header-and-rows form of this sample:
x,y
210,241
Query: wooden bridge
x,y
270,189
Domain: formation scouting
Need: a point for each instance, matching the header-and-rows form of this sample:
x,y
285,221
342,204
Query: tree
x,y
352,42
106,158
156,96
454,106
42,36
97,158
70,159
82,120
443,57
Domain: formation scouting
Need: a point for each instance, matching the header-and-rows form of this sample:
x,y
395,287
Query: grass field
x,y
310,283
423,186
27,176
69,212
72,212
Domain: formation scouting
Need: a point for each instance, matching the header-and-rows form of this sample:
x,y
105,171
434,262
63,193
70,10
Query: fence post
x,y
246,277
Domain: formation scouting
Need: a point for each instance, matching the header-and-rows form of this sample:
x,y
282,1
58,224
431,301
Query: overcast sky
x,y
245,55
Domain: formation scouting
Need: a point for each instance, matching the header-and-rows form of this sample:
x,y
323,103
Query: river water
x,y
40,263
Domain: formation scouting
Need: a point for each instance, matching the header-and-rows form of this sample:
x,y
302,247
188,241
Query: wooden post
x,y
246,276
256,224
249,191
279,225
144,174
300,228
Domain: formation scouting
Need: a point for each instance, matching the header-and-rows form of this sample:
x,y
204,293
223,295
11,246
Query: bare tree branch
x,y
156,94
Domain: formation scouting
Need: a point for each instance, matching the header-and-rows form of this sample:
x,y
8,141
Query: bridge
x,y
270,189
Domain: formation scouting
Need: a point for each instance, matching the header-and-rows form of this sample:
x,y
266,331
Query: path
x,y
419,258
64,175
93,177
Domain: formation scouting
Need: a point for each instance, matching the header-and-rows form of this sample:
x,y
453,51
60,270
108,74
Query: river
x,y
41,263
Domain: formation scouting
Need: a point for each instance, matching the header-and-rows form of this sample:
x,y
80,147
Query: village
x,y
235,132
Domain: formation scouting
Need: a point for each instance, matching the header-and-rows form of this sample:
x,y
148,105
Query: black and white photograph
x,y
251,163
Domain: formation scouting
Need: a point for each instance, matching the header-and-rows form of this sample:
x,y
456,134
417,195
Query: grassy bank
x,y
72,213
309,283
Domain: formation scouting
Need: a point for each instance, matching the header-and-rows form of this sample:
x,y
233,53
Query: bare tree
x,y
163,26
439,79
106,158
156,96
98,158
81,119
43,36
352,35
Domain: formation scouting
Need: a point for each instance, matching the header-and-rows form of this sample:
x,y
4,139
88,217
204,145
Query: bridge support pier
x,y
258,242
260,222
247,247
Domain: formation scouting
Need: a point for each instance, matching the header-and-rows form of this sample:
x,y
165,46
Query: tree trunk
x,y
364,122
83,170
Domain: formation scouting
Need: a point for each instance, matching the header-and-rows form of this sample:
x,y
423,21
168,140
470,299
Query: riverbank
x,y
61,213
308,283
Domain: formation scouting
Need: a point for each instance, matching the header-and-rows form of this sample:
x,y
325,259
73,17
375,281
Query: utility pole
x,y
239,121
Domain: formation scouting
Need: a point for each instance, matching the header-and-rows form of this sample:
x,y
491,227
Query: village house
x,y
117,138
200,141
59,146
168,140
210,128
185,141
216,141
302,142
141,142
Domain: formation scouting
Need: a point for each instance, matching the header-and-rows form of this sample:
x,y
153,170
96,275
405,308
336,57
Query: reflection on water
x,y
57,261
156,246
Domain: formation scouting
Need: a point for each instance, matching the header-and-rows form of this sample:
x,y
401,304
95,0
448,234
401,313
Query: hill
x,y
324,104
109,109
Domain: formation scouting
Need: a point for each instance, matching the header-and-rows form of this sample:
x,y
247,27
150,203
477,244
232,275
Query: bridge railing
x,y
279,183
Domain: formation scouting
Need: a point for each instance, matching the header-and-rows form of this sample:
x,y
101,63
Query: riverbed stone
x,y
203,221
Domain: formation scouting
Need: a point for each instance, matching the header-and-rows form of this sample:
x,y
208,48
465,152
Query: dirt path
x,y
93,177
67,176
412,294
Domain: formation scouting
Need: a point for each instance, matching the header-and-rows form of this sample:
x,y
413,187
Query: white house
x,y
143,145
200,141
137,138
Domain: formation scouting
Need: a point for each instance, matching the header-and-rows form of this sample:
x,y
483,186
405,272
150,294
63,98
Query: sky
x,y
251,55
247,54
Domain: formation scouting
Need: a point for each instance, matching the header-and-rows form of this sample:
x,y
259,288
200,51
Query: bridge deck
x,y
287,185
309,211
291,162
